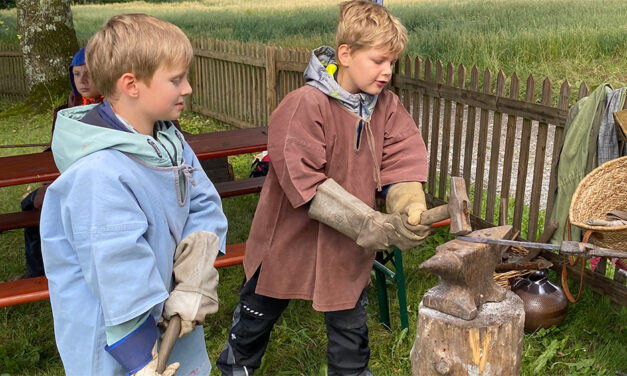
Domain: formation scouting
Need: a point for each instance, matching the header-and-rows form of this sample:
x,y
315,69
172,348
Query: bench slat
x,y
12,221
34,289
40,167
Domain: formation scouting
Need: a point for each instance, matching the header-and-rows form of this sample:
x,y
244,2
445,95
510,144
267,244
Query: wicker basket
x,y
604,189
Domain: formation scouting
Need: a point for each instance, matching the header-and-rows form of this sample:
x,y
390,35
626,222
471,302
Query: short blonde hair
x,y
134,43
365,24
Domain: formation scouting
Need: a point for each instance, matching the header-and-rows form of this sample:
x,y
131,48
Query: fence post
x,y
271,82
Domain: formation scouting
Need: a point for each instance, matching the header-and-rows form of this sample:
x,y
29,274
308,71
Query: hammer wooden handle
x,y
458,210
168,341
437,214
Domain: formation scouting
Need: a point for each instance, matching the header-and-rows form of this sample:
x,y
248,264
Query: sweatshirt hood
x,y
318,76
80,131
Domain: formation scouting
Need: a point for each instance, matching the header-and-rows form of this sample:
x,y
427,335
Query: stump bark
x,y
489,345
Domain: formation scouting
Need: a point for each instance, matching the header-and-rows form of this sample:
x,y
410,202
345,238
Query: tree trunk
x,y
489,345
48,42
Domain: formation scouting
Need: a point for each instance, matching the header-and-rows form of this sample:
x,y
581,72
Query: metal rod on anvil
x,y
570,248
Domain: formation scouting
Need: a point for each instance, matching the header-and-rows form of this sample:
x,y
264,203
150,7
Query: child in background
x,y
131,229
83,92
332,144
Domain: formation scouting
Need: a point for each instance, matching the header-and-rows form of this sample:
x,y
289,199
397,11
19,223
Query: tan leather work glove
x,y
195,292
408,199
150,369
337,208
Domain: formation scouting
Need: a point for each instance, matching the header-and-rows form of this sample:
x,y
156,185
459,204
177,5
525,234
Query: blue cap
x,y
79,59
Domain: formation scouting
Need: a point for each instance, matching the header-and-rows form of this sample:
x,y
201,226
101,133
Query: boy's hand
x,y
337,208
380,231
195,292
151,368
408,199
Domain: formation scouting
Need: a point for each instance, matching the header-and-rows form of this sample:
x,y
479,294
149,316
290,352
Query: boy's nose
x,y
186,89
387,71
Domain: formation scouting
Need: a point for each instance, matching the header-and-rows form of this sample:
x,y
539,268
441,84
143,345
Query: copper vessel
x,y
545,302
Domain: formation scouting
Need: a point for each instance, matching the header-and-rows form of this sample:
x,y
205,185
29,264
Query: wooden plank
x,y
523,158
538,170
230,57
495,153
508,157
23,291
481,148
416,96
435,133
426,107
290,66
406,93
459,124
271,79
620,276
532,111
34,289
230,88
446,137
601,266
470,128
222,84
583,91
558,142
260,79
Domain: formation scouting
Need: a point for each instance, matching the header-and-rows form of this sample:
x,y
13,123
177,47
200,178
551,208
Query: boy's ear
x,y
127,84
344,55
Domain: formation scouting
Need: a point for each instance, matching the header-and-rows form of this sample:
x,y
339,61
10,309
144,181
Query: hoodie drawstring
x,y
187,170
371,143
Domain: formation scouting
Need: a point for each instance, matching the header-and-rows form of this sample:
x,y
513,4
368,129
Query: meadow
x,y
581,40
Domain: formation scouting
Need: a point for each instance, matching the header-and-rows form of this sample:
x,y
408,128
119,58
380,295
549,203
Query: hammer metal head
x,y
459,207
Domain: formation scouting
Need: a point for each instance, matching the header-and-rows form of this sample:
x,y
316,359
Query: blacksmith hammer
x,y
457,209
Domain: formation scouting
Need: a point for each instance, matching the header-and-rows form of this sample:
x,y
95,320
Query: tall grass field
x,y
581,40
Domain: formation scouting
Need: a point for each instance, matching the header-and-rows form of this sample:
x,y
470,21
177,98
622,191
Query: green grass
x,y
592,340
581,40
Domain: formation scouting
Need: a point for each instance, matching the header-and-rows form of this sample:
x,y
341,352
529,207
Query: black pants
x,y
32,241
255,315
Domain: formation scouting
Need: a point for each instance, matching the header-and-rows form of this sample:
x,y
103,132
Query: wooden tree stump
x,y
489,345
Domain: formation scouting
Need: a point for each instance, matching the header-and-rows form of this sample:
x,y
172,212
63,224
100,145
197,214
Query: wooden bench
x,y
34,289
12,221
40,167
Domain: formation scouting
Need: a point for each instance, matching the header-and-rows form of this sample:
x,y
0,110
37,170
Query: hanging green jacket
x,y
578,155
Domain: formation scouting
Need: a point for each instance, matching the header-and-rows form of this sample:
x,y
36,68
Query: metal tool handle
x,y
168,341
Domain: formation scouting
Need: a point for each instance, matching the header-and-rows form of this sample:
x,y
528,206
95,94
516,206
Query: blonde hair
x,y
134,43
364,24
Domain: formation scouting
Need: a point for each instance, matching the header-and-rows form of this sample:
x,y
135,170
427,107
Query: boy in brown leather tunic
x,y
332,144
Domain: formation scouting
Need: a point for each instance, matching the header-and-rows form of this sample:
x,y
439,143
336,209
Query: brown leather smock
x,y
312,137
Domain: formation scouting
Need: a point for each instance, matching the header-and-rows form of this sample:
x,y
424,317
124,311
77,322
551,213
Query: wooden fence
x,y
12,77
477,125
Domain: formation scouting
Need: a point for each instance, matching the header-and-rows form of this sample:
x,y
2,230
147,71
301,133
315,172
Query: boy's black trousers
x,y
255,315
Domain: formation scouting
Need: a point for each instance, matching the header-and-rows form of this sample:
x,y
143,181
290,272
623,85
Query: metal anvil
x,y
465,273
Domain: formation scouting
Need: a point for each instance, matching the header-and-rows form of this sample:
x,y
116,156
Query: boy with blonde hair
x,y
131,228
332,144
